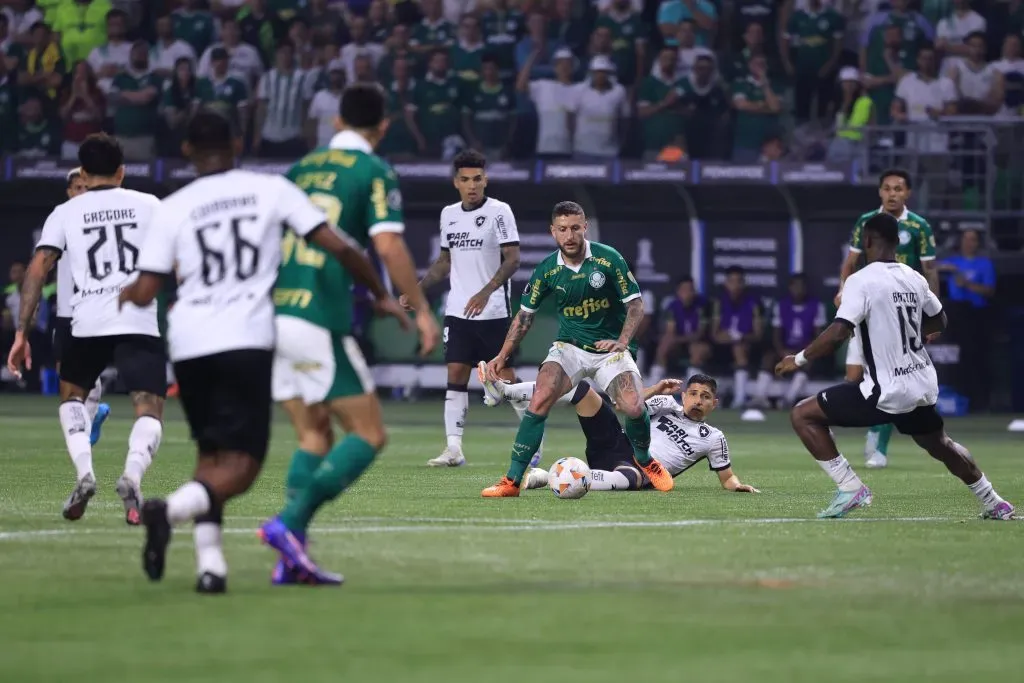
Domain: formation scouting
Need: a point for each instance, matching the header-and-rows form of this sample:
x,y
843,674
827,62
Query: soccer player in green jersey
x,y
917,250
599,310
319,370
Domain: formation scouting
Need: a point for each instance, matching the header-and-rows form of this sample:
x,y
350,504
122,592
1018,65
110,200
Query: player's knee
x,y
373,434
630,407
146,403
800,415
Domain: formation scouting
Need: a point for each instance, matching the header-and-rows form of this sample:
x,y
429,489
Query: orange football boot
x,y
506,488
658,475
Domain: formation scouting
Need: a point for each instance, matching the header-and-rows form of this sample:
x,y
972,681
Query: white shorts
x,y
600,367
315,365
854,351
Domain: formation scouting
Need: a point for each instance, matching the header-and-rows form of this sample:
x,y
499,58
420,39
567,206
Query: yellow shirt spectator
x,y
43,67
82,25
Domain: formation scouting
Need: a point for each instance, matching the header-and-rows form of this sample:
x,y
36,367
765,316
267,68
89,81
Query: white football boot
x,y
494,392
536,478
450,457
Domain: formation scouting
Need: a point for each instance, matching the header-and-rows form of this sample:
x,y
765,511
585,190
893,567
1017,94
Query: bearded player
x,y
680,437
916,249
599,310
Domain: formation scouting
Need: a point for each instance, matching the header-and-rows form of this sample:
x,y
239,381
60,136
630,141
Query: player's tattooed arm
x,y
634,316
438,270
508,268
931,274
521,324
32,287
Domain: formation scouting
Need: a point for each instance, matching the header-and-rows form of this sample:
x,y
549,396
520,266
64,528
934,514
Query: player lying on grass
x,y
679,436
893,310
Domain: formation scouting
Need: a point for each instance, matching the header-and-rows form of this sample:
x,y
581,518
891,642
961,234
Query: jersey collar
x,y
586,254
351,140
902,217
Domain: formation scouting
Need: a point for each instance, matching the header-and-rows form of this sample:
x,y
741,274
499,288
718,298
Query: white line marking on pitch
x,y
437,528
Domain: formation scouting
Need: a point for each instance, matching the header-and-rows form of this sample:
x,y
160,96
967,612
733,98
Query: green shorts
x,y
316,365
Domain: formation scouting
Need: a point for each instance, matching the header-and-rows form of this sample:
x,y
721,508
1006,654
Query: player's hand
x,y
403,301
786,366
838,300
668,387
745,488
476,304
932,337
21,354
124,296
394,309
611,346
495,366
429,333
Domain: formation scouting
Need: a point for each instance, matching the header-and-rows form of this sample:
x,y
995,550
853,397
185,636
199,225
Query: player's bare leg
x,y
220,475
811,424
960,463
627,392
343,464
143,442
552,382
75,423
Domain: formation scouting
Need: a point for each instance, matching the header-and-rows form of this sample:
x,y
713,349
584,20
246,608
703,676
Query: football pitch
x,y
697,585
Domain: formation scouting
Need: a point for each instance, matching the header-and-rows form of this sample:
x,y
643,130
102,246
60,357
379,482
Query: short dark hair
x,y
468,158
895,173
489,58
39,25
707,380
116,14
284,43
567,209
100,155
798,277
683,279
209,131
438,51
735,270
976,34
362,105
885,226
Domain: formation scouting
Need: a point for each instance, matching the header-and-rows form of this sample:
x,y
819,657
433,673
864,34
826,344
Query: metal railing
x,y
963,167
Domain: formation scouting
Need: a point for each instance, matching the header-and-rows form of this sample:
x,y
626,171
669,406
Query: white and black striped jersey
x,y
474,240
679,443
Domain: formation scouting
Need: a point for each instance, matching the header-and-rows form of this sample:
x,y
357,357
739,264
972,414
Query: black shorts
x,y
607,444
141,361
468,342
227,401
61,334
845,406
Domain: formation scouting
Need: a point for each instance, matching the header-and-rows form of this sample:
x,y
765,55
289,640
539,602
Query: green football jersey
x,y
358,192
917,243
591,300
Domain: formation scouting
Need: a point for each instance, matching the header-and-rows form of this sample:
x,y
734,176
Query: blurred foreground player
x,y
319,370
893,310
221,234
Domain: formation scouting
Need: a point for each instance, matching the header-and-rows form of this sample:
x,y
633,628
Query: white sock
x,y
740,378
521,407
209,549
601,480
519,392
77,426
143,443
456,404
796,387
764,382
842,474
188,502
656,374
985,493
92,401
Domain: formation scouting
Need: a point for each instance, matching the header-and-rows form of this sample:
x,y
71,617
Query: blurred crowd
x,y
583,79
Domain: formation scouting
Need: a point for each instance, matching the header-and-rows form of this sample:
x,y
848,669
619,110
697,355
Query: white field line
x,y
431,525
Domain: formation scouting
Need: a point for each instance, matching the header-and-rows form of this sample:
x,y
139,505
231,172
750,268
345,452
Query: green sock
x,y
300,472
884,434
337,472
528,438
638,431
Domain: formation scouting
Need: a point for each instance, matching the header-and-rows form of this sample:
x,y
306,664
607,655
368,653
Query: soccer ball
x,y
569,478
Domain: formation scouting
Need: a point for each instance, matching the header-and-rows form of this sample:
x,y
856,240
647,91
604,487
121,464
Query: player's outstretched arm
x,y
666,387
730,482
823,345
32,287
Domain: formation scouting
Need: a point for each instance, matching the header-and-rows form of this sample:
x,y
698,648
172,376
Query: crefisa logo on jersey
x,y
597,280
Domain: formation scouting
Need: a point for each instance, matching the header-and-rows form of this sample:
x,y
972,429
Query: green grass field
x,y
697,585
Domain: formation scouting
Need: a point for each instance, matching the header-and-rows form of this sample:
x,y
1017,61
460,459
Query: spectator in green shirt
x,y
37,134
705,111
629,41
503,27
82,25
757,111
194,24
224,92
433,31
468,52
399,143
397,46
885,69
488,118
436,106
135,93
176,105
658,104
753,45
8,109
814,38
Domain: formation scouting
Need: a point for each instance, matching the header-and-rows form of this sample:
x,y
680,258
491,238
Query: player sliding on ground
x,y
319,371
917,250
679,436
599,309
892,309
